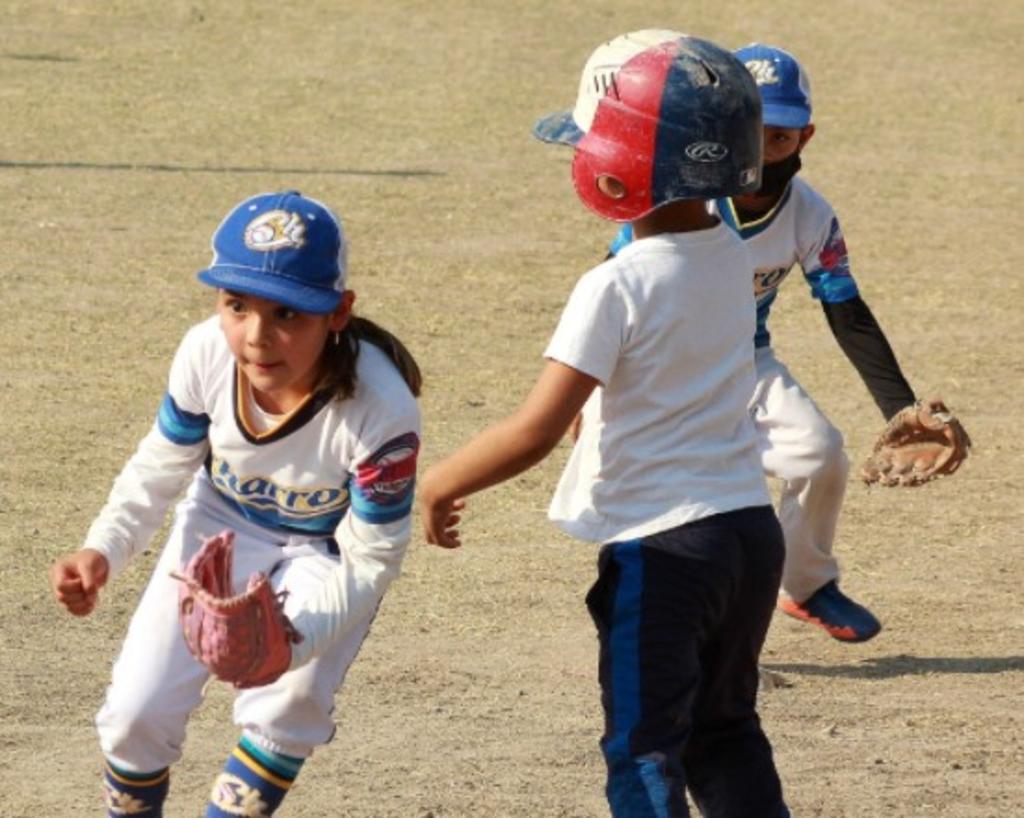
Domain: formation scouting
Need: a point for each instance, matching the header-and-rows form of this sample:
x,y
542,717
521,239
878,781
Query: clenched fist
x,y
77,578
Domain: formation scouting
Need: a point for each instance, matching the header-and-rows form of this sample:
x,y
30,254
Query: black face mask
x,y
775,176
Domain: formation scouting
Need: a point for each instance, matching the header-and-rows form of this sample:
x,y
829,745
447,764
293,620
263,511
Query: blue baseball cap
x,y
284,247
783,83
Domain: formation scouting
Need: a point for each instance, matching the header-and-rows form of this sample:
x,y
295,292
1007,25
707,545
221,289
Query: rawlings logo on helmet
x,y
706,151
274,230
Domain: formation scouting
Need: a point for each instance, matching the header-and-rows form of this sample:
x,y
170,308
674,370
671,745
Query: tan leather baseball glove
x,y
920,443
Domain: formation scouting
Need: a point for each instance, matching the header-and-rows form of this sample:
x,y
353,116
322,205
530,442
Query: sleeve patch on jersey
x,y
832,282
382,487
833,257
179,426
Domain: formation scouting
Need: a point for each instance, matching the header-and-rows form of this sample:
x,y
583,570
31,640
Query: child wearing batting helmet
x,y
654,347
293,423
787,223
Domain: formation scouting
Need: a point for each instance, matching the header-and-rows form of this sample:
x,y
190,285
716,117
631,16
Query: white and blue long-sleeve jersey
x,y
331,469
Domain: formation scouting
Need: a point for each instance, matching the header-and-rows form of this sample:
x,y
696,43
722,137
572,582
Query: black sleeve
x,y
860,337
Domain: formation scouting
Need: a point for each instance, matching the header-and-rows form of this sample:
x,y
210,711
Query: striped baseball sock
x,y
135,793
254,780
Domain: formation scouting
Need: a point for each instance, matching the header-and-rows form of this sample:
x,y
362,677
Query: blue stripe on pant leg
x,y
636,787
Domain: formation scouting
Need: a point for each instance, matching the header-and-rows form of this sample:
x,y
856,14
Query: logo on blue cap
x,y
275,230
284,247
783,83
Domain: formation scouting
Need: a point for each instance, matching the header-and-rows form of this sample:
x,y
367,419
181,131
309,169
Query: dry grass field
x,y
129,127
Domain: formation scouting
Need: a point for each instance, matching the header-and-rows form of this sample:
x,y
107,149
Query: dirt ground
x,y
130,127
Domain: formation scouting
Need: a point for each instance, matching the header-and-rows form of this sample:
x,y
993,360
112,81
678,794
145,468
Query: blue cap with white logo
x,y
783,83
284,247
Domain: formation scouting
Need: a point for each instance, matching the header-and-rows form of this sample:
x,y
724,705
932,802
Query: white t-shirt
x,y
666,328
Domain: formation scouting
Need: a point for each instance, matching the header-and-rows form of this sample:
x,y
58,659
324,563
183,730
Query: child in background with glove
x,y
787,223
294,424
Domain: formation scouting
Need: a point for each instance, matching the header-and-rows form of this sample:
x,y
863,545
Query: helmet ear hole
x,y
611,187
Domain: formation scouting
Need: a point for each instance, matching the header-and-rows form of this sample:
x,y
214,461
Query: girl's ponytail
x,y
367,330
342,353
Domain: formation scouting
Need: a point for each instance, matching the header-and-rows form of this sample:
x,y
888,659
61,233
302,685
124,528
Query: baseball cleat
x,y
836,613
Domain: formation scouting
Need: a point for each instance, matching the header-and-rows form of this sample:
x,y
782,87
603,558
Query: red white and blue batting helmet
x,y
680,120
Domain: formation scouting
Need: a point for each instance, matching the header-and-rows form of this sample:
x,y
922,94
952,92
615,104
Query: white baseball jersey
x,y
330,469
801,229
665,327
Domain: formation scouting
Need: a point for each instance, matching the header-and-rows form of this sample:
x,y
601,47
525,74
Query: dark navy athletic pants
x,y
682,616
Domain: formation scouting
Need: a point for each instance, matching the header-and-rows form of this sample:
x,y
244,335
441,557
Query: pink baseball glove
x,y
245,638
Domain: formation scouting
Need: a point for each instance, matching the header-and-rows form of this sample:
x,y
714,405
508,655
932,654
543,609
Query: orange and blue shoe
x,y
836,613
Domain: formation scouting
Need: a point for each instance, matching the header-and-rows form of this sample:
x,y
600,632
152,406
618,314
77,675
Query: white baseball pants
x,y
157,683
800,447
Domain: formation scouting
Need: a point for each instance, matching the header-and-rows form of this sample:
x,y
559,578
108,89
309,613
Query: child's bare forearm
x,y
496,454
517,442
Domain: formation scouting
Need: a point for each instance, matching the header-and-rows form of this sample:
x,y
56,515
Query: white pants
x,y
800,447
157,683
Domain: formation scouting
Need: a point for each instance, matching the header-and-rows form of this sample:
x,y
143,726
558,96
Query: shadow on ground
x,y
888,667
162,168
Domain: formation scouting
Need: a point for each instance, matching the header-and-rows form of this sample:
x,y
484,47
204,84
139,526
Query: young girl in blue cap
x,y
295,424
